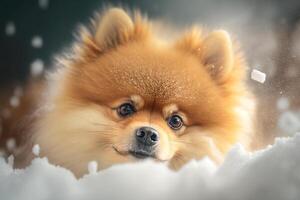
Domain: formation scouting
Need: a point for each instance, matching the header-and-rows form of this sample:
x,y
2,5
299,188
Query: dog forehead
x,y
160,73
163,75
150,82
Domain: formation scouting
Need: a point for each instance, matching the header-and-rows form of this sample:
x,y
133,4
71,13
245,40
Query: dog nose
x,y
147,136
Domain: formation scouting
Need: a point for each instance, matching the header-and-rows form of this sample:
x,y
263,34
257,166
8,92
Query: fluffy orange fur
x,y
198,76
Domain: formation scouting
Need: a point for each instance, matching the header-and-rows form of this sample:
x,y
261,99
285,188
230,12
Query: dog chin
x,y
138,154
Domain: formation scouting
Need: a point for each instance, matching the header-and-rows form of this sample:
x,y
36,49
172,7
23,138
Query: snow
x,y
283,103
10,28
289,121
2,152
37,67
92,167
44,4
14,101
258,76
10,160
11,144
269,174
37,41
36,150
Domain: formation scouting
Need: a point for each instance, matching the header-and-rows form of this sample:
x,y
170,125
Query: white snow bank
x,y
270,174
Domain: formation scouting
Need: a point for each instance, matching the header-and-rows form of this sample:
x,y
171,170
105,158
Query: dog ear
x,y
216,54
114,28
214,51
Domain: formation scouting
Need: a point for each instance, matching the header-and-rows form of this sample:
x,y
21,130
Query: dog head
x,y
126,95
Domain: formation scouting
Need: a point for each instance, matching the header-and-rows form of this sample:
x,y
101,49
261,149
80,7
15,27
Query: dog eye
x,y
175,122
126,109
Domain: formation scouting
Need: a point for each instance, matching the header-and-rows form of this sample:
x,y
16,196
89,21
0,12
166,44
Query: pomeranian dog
x,y
124,94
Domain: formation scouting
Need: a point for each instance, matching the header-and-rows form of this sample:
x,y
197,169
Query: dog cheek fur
x,y
73,136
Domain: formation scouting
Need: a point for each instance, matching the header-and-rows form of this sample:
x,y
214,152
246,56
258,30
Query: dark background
x,y
268,31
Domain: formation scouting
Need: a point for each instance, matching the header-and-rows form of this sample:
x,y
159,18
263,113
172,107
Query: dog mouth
x,y
140,154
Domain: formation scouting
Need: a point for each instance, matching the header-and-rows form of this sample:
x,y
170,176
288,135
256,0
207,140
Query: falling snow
x,y
37,42
283,103
44,4
10,29
258,76
11,144
37,67
14,101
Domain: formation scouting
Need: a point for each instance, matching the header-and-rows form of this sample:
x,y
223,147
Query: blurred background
x,y
32,32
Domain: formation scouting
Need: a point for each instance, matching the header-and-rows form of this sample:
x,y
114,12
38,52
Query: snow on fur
x,y
269,174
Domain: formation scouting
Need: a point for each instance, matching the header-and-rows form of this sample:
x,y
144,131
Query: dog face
x,y
128,96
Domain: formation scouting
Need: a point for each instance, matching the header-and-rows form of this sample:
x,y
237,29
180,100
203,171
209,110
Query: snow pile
x,y
270,174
